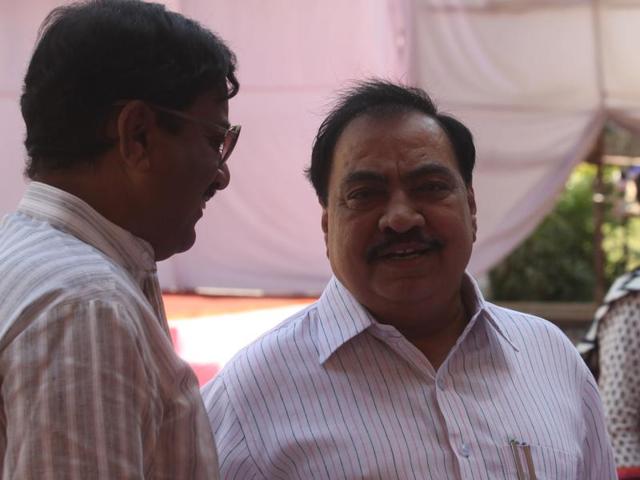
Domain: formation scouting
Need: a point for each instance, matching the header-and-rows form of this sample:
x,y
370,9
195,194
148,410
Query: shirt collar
x,y
342,317
70,214
475,303
628,282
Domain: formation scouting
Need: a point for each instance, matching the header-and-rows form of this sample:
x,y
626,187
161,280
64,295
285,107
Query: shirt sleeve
x,y
75,396
619,345
236,462
597,455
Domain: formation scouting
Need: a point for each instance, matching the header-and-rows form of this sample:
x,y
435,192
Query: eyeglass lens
x,y
229,143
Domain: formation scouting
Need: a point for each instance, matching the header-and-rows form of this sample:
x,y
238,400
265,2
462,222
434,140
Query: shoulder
x,y
622,300
35,244
45,272
532,332
522,323
272,353
35,256
545,355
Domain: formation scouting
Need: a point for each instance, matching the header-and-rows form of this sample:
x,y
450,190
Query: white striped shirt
x,y
91,387
333,394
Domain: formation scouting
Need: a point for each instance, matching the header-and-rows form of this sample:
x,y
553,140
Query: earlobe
x,y
474,225
471,200
325,223
325,228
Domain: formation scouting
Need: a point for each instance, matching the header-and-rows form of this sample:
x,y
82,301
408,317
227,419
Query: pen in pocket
x,y
519,450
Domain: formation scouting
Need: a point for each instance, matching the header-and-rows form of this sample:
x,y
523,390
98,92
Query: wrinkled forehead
x,y
384,134
368,136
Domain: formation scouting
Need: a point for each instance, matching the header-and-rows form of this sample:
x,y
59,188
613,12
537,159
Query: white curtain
x,y
535,81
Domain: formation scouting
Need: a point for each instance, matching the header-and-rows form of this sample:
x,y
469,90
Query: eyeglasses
x,y
226,139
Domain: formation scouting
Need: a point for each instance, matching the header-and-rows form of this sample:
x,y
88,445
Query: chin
x,y
188,243
407,290
183,246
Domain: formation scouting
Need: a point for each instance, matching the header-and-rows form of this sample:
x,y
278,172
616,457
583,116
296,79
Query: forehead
x,y
398,141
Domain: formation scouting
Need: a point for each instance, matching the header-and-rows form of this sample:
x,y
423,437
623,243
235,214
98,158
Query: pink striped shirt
x,y
90,385
333,394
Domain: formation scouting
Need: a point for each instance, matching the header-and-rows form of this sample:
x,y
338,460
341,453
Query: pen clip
x,y
516,457
531,469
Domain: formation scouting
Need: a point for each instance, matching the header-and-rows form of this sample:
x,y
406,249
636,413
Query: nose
x,y
400,215
223,177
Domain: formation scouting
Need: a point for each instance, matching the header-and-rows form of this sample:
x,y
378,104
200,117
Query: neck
x,y
436,342
434,331
98,189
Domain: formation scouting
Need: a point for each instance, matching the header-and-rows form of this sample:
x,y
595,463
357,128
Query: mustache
x,y
391,239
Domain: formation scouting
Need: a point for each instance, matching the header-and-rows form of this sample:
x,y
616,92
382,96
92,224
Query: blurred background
x,y
550,89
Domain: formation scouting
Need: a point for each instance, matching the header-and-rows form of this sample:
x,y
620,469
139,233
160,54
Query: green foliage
x,y
556,262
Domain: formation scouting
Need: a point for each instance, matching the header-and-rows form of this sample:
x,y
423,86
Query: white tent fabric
x,y
535,81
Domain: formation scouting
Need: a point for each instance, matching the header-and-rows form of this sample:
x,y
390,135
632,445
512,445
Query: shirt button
x,y
464,450
440,383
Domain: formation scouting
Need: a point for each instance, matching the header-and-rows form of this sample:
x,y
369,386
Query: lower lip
x,y
405,260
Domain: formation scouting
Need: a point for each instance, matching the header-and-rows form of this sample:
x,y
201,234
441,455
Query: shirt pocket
x,y
550,463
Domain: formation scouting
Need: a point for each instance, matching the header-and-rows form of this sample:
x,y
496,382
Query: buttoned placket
x,y
446,399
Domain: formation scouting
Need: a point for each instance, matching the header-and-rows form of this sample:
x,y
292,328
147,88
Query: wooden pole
x,y
598,218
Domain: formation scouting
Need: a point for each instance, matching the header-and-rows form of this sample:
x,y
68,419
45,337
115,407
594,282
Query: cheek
x,y
348,239
198,159
449,220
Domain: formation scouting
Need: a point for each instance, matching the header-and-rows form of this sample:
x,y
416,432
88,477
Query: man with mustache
x,y
127,134
402,370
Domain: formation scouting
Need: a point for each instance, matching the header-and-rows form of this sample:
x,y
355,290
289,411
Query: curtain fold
x,y
534,80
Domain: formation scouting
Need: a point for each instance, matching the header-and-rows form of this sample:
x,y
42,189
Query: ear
x,y
325,222
471,202
133,124
325,228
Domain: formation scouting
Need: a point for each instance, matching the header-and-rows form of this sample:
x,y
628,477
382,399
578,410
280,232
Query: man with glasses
x,y
128,137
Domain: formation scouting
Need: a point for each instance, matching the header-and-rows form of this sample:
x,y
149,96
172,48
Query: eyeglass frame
x,y
232,132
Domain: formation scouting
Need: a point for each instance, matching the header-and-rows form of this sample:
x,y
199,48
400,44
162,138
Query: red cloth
x,y
632,473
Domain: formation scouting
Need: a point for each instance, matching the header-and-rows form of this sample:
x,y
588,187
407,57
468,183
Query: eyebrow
x,y
421,171
213,125
427,170
364,176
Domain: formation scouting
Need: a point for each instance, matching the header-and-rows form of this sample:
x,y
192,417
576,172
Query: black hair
x,y
92,54
379,97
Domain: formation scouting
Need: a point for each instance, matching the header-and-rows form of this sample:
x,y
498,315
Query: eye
x,y
216,141
364,197
434,188
361,194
